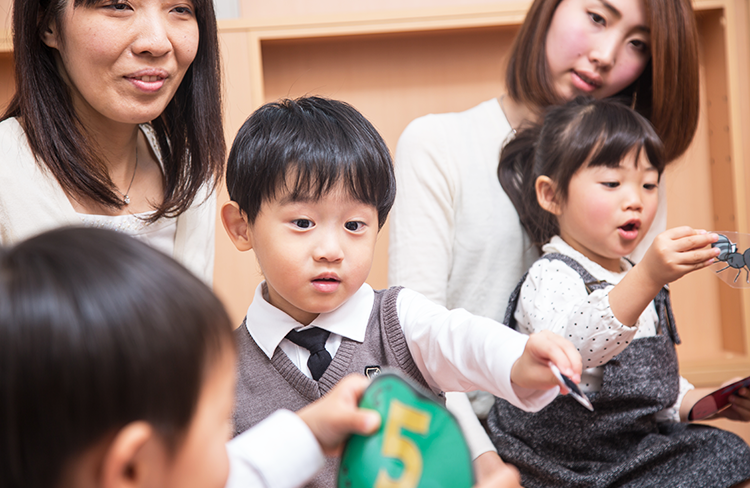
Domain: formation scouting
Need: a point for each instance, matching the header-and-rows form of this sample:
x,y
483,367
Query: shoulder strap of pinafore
x,y
588,280
663,305
661,302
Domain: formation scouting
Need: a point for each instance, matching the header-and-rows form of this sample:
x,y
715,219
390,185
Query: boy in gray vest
x,y
311,183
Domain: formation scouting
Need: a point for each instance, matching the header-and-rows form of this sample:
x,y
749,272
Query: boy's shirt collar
x,y
269,325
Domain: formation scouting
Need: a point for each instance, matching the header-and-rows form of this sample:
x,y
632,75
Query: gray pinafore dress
x,y
620,443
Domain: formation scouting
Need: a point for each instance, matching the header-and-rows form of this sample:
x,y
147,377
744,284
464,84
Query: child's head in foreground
x,y
588,172
311,183
116,366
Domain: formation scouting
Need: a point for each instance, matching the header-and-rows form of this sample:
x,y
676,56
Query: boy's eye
x,y
611,184
303,223
354,226
650,186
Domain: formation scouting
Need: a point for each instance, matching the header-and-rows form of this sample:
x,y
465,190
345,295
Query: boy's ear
x,y
235,223
135,458
546,195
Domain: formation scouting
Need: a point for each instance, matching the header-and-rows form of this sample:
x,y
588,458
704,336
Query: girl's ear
x,y
135,458
236,225
49,36
546,195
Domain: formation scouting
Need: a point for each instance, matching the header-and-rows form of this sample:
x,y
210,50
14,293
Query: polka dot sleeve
x,y
553,297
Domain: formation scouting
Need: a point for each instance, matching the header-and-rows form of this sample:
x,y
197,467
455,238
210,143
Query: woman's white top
x,y
159,235
455,236
32,201
554,297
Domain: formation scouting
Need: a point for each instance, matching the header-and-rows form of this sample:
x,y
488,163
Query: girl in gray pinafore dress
x,y
592,185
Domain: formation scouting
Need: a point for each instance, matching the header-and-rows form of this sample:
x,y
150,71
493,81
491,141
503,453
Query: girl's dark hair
x,y
674,63
189,131
582,132
304,147
97,330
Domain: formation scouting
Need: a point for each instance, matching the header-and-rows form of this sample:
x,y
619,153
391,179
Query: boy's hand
x,y
504,476
532,370
333,418
676,252
492,472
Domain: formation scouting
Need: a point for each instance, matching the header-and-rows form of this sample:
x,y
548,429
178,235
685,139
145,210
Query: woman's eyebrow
x,y
612,9
616,13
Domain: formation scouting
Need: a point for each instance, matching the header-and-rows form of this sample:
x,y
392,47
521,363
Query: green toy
x,y
419,443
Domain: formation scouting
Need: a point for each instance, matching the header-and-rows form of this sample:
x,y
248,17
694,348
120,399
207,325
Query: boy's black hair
x,y
97,330
584,131
304,148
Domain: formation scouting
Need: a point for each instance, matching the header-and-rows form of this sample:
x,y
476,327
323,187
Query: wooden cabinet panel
x,y
398,65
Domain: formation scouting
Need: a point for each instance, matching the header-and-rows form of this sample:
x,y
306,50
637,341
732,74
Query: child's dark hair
x,y
97,330
585,131
304,148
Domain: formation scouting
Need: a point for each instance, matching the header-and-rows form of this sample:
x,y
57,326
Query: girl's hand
x,y
675,253
531,370
740,408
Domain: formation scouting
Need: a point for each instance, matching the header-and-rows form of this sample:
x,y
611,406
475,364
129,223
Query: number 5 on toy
x,y
419,444
395,445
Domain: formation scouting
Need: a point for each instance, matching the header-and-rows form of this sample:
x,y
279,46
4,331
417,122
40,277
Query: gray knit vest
x,y
264,385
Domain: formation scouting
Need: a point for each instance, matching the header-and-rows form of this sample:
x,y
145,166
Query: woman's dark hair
x,y
97,330
674,63
583,132
189,131
304,147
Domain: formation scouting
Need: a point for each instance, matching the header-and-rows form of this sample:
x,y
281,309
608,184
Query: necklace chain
x,y
126,195
502,107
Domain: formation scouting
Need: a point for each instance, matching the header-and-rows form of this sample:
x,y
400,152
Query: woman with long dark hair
x,y
116,122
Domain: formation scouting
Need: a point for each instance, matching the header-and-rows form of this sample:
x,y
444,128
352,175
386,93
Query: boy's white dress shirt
x,y
279,452
453,349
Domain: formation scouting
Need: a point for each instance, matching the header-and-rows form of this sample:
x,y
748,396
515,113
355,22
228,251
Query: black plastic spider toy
x,y
728,254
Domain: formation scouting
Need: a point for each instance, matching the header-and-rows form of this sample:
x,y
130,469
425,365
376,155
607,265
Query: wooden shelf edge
x,y
715,372
407,20
505,13
6,41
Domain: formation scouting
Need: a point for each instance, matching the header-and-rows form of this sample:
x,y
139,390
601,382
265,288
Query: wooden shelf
x,y
398,65
6,41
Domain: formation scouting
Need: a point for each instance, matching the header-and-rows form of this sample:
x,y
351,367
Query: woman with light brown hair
x,y
454,234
